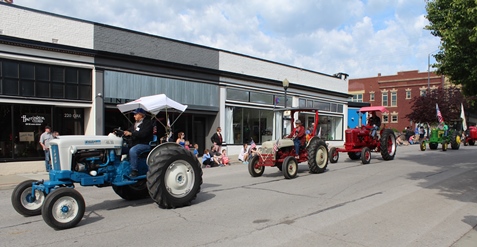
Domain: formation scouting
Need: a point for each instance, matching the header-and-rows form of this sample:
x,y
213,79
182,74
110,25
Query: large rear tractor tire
x,y
26,203
290,167
472,142
455,141
132,192
174,176
365,155
334,155
354,155
63,208
317,155
254,169
388,144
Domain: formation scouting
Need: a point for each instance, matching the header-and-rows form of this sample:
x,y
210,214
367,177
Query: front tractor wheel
x,y
365,155
423,146
63,208
254,168
174,176
388,144
433,145
317,155
26,202
334,155
289,167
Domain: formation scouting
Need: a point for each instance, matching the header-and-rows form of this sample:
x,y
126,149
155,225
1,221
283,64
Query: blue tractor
x,y
169,174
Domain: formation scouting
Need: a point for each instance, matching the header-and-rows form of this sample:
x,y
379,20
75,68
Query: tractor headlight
x,y
73,149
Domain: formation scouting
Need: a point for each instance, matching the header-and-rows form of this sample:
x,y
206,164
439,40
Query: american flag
x,y
439,115
252,145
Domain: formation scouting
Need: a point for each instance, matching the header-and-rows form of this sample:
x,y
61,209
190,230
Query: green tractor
x,y
439,136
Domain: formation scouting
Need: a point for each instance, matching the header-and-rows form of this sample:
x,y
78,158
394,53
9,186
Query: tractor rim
x,y
391,145
65,209
321,156
32,202
292,167
367,155
179,178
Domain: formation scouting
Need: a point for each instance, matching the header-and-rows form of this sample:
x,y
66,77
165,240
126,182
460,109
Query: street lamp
x,y
428,72
285,84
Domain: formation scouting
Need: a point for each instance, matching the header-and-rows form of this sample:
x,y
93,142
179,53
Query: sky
x,y
359,37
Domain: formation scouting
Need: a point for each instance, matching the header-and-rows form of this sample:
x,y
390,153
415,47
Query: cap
x,y
298,121
139,110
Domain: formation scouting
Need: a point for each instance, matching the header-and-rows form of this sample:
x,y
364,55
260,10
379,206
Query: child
x,y
225,158
216,155
187,145
196,150
243,153
206,159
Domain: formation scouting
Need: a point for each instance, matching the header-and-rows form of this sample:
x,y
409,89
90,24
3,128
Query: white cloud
x,y
361,38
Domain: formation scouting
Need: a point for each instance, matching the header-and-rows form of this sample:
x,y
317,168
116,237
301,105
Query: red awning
x,y
373,108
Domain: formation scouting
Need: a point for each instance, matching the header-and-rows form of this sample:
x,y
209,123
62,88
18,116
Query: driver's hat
x,y
140,110
298,121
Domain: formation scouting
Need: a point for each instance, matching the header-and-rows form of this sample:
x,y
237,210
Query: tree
x,y
455,23
448,100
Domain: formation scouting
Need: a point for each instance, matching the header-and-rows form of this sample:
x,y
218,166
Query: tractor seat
x,y
152,143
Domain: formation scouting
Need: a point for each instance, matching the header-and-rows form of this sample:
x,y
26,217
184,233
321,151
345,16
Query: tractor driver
x,y
141,134
374,122
298,135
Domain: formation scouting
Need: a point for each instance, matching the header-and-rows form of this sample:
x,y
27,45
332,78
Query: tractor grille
x,y
55,157
349,136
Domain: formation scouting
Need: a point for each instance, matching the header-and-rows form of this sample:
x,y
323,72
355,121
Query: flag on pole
x,y
462,115
168,129
439,115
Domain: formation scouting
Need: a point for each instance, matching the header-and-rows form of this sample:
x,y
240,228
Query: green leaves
x,y
455,22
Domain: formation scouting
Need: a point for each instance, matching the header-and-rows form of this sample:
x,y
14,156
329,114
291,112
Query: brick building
x,y
394,92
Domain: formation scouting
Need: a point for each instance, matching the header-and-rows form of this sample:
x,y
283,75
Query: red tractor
x,y
359,143
281,153
470,136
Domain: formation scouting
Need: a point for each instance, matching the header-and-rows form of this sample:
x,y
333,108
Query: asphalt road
x,y
418,199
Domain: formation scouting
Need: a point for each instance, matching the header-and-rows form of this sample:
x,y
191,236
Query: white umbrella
x,y
153,104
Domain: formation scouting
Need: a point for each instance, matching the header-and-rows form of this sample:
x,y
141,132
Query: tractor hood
x,y
287,142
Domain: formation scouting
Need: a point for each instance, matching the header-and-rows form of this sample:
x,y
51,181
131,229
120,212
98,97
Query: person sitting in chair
x,y
298,135
374,122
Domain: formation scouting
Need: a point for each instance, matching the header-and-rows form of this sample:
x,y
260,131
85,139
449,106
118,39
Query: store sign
x,y
32,120
26,136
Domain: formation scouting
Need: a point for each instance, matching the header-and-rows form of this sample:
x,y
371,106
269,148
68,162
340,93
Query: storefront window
x,y
22,126
331,128
248,124
44,81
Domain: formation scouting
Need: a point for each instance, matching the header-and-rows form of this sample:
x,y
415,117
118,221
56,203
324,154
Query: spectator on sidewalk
x,y
45,139
243,155
207,160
